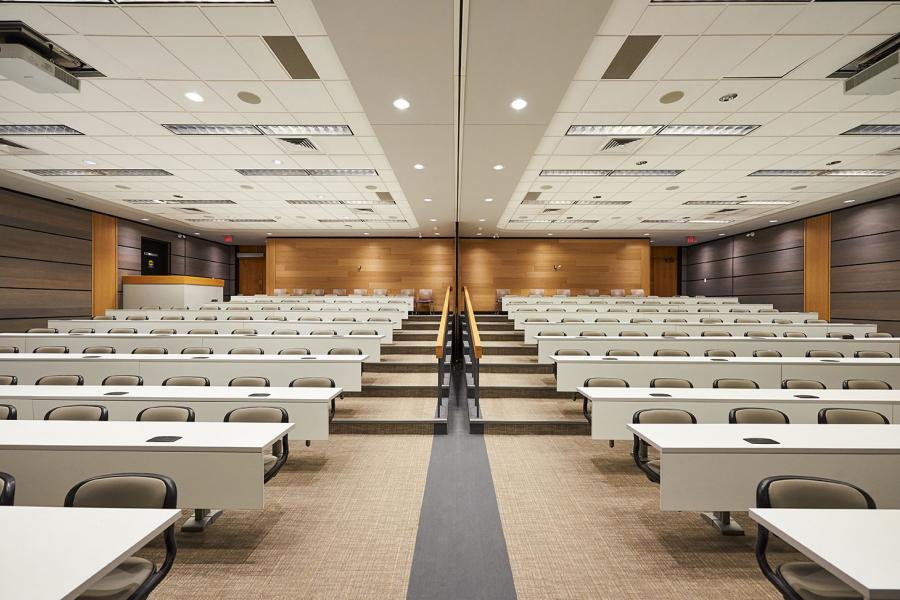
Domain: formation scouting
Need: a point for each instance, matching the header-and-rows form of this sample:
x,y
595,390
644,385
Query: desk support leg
x,y
722,521
203,518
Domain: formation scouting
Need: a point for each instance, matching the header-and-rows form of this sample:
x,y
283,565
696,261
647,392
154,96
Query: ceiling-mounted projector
x,y
28,68
879,79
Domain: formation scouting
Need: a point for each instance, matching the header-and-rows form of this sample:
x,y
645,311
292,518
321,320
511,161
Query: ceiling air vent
x,y
299,144
191,210
532,198
547,211
631,54
618,144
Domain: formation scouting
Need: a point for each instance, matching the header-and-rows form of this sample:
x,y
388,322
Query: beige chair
x,y
735,384
196,350
77,330
78,412
851,416
240,318
8,412
590,333
424,299
136,318
378,320
719,353
163,331
345,351
278,455
672,352
172,318
300,308
175,414
865,384
270,308
201,331
629,333
187,380
760,334
824,354
318,291
711,321
641,320
99,350
243,331
276,318
715,333
210,307
237,308
748,415
285,332
674,320
363,332
317,382
342,319
103,318
129,330
246,351
536,320
325,332
134,578
879,334
149,350
739,310
621,352
802,384
782,321
819,321
42,330
587,309
606,320
649,465
151,307
746,321
310,319
872,354
123,380
60,380
840,335
339,292
8,380
793,334
206,318
766,354
249,382
604,382
294,351
571,320
805,580
9,350
51,350
670,382
648,310
674,333
379,292
551,333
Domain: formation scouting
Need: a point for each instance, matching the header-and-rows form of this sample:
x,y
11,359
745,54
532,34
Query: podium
x,y
167,291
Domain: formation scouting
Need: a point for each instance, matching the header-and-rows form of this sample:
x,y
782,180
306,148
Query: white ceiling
x,y
459,64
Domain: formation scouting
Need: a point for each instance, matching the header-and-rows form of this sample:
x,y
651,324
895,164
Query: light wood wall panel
x,y
664,270
349,263
523,264
104,271
817,265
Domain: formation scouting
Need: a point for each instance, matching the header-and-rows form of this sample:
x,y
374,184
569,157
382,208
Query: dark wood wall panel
x,y
710,251
865,264
782,261
712,269
785,302
45,261
769,284
772,239
187,256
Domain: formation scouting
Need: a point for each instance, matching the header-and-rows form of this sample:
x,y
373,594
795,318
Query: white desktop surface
x,y
860,547
51,553
695,330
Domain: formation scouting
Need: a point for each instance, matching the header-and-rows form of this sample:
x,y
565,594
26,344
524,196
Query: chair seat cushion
x,y
121,582
653,465
812,582
268,461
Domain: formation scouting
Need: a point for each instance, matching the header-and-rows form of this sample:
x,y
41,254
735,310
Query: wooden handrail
x,y
442,328
473,326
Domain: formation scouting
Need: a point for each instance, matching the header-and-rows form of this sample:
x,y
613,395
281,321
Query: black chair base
x,y
723,522
203,518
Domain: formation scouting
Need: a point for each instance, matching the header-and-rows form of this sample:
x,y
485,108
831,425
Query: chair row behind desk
x,y
360,317
696,329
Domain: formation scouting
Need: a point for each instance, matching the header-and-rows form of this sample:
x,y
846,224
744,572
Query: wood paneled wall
x,y
664,270
45,261
865,264
104,273
187,255
765,267
251,272
523,264
817,265
348,263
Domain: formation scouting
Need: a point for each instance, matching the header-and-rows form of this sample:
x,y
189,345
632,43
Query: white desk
x,y
309,408
213,464
346,371
613,408
275,308
696,346
620,300
520,319
696,329
291,316
80,545
385,330
711,468
124,343
327,299
859,547
572,371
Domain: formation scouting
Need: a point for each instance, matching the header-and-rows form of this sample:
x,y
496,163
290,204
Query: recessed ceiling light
x,y
671,97
488,199
479,233
427,200
418,166
646,234
858,172
275,161
611,130
785,173
433,220
437,233
90,162
401,103
766,202
481,220
193,96
646,172
498,167
721,234
518,104
874,130
365,233
549,234
773,220
574,173
849,201
145,219
196,233
727,97
99,172
268,233
249,97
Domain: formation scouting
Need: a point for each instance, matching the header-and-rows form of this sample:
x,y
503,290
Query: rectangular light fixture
x,y
342,172
710,202
707,129
858,172
273,172
822,172
99,172
874,129
709,221
193,1
610,130
766,202
305,129
646,172
785,173
314,202
202,129
574,173
603,202
663,221
199,202
38,130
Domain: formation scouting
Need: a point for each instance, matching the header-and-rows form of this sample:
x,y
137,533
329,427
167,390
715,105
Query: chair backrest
x,y
671,352
766,354
299,308
7,489
824,354
669,382
206,318
590,333
674,333
865,384
628,333
536,292
339,291
42,330
802,384
136,318
202,331
294,351
571,320
197,350
345,351
819,321
240,318
285,332
671,416
735,384
747,415
8,380
872,354
163,331
264,414
246,351
342,319
60,380
879,334
103,318
621,352
674,320
612,382
537,320
710,321
425,295
51,350
571,352
328,332
276,318
839,335
99,350
130,330
123,380
249,382
851,416
167,413
760,334
149,350
719,353
793,334
617,292
310,319
641,320
648,310
379,292
188,380
82,330
363,332
8,412
316,382
746,321
782,321
78,412
9,350
124,490
810,493
591,292
586,309
551,333
172,318
237,308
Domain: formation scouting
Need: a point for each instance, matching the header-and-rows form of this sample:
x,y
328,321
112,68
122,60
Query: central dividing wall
x,y
522,264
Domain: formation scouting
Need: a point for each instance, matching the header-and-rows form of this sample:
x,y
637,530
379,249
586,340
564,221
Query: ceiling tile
x,y
665,53
97,20
712,57
676,20
837,17
257,54
171,20
612,96
743,20
601,52
210,58
247,20
780,54
144,57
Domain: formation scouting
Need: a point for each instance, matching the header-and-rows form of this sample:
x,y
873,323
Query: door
x,y
252,276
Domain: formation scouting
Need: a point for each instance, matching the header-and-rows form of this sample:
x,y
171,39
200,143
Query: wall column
x,y
104,263
817,265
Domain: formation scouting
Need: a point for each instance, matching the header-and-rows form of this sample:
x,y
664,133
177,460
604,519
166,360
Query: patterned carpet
x,y
581,522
